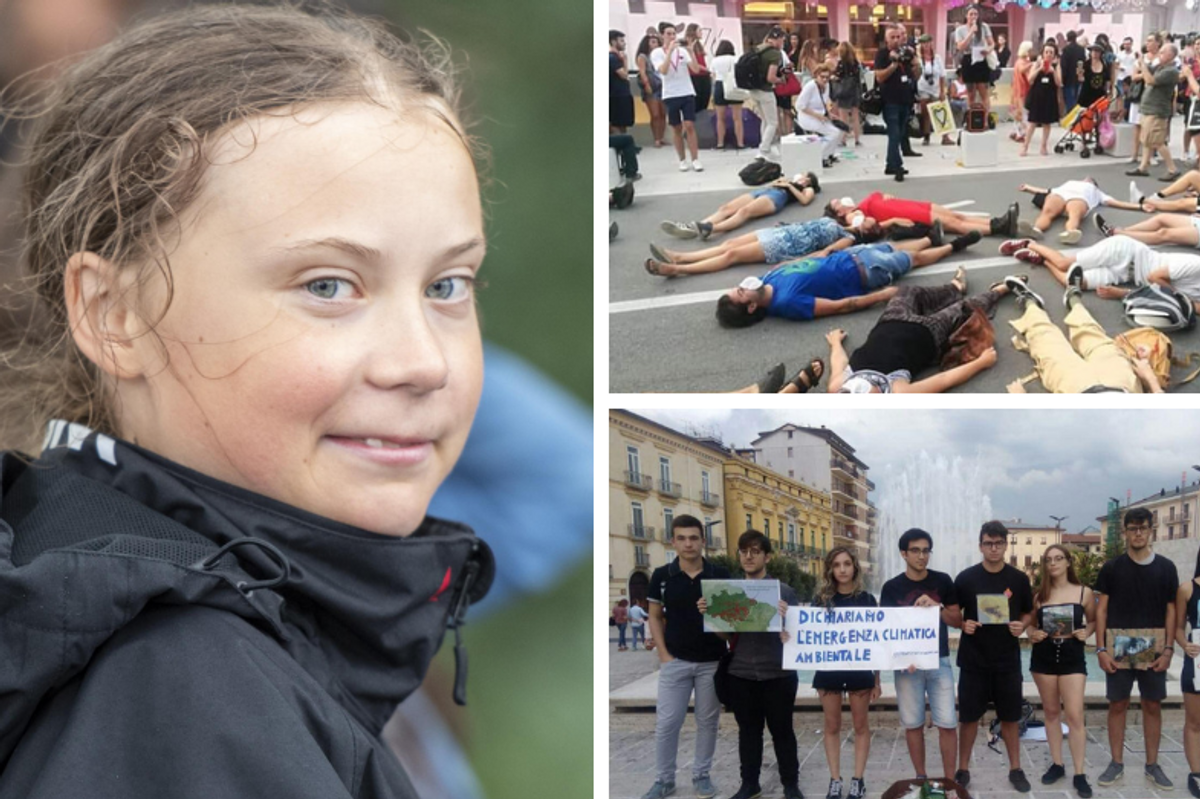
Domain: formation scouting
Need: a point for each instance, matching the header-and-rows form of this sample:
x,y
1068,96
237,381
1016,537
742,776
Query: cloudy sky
x,y
1031,464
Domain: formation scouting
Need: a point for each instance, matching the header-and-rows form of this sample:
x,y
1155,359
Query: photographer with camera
x,y
896,72
977,55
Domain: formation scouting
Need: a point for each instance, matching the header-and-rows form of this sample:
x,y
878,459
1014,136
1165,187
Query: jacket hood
x,y
97,529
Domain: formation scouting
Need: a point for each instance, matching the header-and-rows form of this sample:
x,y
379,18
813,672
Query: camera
x,y
905,54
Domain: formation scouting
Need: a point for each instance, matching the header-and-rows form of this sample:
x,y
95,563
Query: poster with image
x,y
1135,648
993,608
1058,620
741,606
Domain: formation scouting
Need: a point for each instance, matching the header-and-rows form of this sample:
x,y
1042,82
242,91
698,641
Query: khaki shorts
x,y
1154,131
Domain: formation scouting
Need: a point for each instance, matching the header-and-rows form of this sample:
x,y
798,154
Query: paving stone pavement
x,y
631,754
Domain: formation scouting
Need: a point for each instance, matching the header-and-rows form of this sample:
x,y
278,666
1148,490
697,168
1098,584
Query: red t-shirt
x,y
895,208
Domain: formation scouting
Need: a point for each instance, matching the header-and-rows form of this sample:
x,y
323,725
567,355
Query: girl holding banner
x,y
1065,618
842,587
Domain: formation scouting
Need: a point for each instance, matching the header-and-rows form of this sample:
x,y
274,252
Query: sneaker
x,y
696,165
660,790
747,792
1011,246
1102,225
1085,791
1020,288
1194,784
704,787
1075,276
683,166
962,777
1070,236
1113,773
1154,774
1138,172
1029,256
1053,774
792,792
681,230
835,790
1136,195
858,789
1027,230
1018,780
705,230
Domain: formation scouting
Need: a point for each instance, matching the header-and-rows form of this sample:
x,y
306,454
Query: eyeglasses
x,y
1137,528
1055,559
751,552
994,544
919,551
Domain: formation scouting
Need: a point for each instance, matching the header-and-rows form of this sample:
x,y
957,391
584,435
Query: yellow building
x,y
1174,513
796,517
1027,542
655,474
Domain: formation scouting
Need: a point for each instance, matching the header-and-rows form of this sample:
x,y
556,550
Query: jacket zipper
x,y
457,618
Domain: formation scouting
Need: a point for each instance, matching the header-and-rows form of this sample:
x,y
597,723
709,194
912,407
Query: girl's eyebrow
x,y
366,253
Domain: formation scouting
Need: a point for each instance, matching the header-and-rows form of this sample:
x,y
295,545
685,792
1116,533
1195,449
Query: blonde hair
x,y
1025,49
119,151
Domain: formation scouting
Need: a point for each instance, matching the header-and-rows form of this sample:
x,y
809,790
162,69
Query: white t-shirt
x,y
976,51
722,67
1082,190
813,99
678,81
932,75
1125,62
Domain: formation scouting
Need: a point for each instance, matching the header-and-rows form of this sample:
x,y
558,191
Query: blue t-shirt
x,y
798,284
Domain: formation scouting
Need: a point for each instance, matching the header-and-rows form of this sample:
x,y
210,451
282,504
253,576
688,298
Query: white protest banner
x,y
861,639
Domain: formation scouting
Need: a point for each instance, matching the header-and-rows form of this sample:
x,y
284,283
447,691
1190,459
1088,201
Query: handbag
x,y
993,60
790,86
721,677
1135,91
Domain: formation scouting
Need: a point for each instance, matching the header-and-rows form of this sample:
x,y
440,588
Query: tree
x,y
779,567
1087,567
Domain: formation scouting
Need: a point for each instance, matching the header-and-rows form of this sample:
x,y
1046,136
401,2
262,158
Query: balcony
x,y
639,481
709,499
641,532
844,466
847,512
669,489
847,490
642,559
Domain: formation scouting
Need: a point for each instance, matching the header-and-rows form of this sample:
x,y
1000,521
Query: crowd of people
x,y
1137,590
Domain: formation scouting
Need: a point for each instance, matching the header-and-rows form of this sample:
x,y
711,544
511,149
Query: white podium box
x,y
980,149
799,154
1126,140
614,170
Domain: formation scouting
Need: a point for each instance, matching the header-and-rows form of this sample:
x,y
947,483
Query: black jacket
x,y
164,634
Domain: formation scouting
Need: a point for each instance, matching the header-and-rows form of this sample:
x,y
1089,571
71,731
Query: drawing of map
x,y
742,606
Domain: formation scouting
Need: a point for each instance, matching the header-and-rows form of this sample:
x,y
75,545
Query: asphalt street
x,y
664,336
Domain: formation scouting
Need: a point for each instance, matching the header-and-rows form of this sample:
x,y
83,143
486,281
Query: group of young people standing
x,y
1136,590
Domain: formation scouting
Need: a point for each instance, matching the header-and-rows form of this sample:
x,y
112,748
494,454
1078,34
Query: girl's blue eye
x,y
325,288
448,289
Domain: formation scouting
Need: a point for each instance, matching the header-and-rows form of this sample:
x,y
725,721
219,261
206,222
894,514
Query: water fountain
x,y
944,496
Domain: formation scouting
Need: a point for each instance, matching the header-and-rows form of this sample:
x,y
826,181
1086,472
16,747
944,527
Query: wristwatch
x,y
1100,649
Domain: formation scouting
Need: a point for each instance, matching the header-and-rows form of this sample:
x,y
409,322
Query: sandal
x,y
652,267
660,255
959,281
814,372
773,380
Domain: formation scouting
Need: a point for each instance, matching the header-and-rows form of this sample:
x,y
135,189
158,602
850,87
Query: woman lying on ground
x,y
885,208
1187,184
1119,259
1158,229
1076,199
838,283
767,201
910,337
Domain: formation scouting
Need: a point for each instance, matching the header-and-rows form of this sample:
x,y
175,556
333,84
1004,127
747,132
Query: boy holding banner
x,y
919,586
997,605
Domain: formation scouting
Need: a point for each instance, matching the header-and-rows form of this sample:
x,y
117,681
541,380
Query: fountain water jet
x,y
943,496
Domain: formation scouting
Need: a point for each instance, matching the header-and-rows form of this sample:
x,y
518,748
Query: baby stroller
x,y
1085,129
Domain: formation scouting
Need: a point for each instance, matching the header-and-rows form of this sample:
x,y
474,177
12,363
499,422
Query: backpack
x,y
1162,308
756,173
748,72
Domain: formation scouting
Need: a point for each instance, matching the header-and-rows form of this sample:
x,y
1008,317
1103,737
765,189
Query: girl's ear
x,y
104,323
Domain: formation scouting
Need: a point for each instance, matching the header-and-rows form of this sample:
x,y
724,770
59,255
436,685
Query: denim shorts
x,y
883,263
938,685
778,196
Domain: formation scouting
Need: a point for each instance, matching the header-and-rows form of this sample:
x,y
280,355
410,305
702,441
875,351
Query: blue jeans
x,y
883,263
1070,95
621,635
896,118
638,631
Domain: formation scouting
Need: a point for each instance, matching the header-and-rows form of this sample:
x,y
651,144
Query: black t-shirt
x,y
893,345
1137,595
992,647
903,592
895,90
678,595
1003,55
1072,54
617,87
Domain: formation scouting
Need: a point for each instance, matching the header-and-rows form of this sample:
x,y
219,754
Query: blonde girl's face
x,y
843,569
322,343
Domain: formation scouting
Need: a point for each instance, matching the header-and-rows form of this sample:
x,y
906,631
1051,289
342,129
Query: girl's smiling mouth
x,y
390,451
